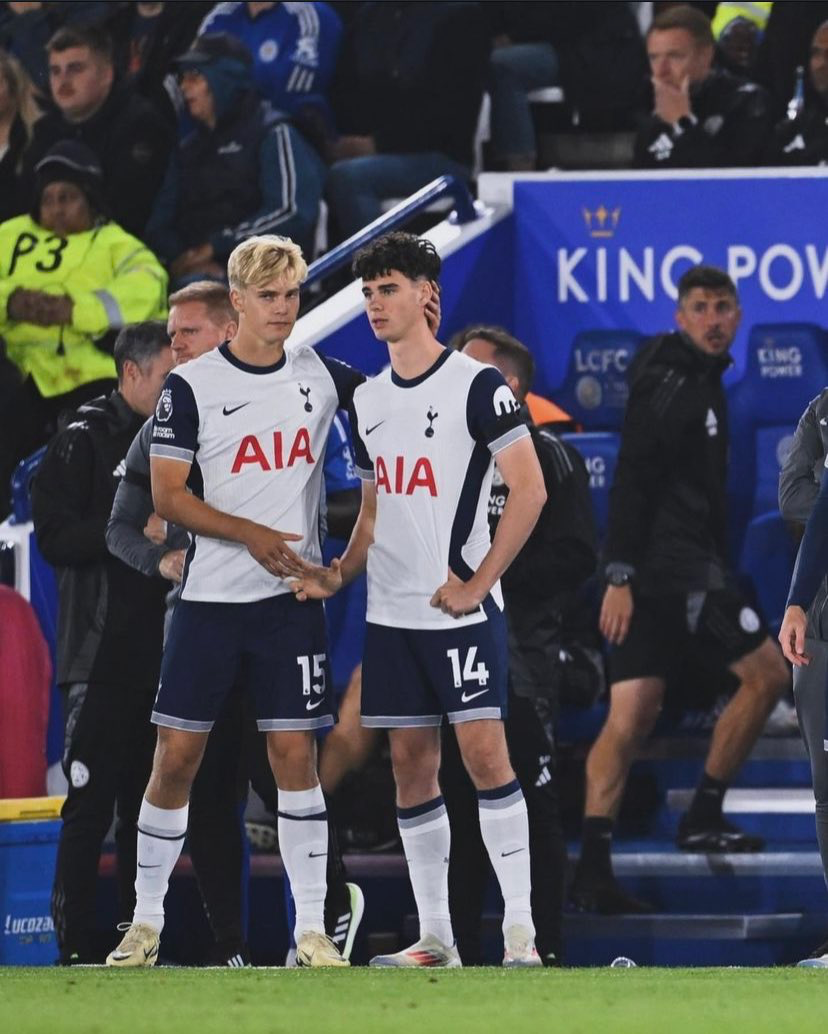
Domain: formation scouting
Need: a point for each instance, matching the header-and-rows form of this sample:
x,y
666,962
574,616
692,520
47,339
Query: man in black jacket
x,y
110,620
804,140
131,139
668,595
540,590
702,117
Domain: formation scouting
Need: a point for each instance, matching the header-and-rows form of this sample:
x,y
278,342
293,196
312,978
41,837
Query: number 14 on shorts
x,y
469,672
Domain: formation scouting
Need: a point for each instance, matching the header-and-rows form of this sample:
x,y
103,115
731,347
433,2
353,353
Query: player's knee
x,y
633,724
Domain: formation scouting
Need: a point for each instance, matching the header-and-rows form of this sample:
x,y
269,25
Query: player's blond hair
x,y
261,259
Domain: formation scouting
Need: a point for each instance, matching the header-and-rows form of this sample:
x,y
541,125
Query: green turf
x,y
362,1001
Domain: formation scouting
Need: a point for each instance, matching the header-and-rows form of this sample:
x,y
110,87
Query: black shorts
x,y
275,648
712,628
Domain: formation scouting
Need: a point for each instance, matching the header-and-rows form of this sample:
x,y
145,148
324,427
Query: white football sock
x,y
504,827
426,841
303,842
161,833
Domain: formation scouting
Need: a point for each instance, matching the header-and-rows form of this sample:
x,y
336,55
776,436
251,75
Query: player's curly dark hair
x,y
408,254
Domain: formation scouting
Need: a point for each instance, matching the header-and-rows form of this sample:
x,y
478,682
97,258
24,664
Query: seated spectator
x,y
294,49
146,38
18,114
804,140
408,99
69,279
702,117
25,29
737,29
244,170
130,138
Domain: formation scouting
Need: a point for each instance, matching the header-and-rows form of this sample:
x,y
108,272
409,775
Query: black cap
x,y
73,162
212,47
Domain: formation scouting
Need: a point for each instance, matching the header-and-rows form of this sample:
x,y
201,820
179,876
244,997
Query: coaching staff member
x,y
668,595
110,620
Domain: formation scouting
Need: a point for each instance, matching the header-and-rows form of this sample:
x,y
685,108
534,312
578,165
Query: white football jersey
x,y
255,438
428,444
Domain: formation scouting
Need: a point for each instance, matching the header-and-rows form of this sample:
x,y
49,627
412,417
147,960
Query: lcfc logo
x,y
601,221
163,411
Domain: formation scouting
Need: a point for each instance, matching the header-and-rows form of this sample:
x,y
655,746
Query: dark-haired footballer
x,y
668,596
426,432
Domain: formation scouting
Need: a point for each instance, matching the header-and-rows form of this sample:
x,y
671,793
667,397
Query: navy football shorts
x,y
413,677
276,649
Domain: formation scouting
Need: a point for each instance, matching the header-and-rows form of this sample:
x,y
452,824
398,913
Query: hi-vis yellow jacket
x,y
112,278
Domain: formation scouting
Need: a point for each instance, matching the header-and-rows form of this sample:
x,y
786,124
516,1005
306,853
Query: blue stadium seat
x,y
768,556
600,452
786,366
594,389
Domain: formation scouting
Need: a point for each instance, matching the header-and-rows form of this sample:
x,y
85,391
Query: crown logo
x,y
601,222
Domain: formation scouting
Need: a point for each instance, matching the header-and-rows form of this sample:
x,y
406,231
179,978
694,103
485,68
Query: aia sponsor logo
x,y
276,454
394,478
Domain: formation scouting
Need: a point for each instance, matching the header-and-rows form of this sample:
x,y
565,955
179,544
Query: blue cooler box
x,y
27,868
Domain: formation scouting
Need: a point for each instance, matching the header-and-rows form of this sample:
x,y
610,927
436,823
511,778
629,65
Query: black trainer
x,y
603,894
234,954
718,837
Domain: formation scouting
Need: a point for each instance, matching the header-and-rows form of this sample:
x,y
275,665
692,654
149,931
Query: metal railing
x,y
444,186
20,486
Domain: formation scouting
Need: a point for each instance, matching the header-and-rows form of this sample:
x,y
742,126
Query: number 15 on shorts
x,y
469,672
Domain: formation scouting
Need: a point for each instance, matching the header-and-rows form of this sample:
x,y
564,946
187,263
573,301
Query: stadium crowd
x,y
141,144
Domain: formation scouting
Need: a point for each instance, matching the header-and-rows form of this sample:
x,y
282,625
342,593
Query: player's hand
x,y
156,529
456,597
671,102
269,548
433,309
616,613
171,566
317,582
792,636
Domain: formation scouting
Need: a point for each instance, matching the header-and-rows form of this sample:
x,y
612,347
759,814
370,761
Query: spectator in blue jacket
x,y
243,170
294,49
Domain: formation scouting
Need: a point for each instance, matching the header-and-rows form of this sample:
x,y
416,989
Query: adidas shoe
x,y
603,895
139,946
343,914
428,951
317,951
719,837
231,953
519,948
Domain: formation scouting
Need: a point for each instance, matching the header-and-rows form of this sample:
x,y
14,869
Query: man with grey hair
x,y
237,436
109,634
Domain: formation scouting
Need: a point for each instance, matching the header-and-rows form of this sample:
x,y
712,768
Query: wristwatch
x,y
618,574
683,124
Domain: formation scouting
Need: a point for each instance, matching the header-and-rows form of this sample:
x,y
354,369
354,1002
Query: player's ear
x,y
426,292
236,299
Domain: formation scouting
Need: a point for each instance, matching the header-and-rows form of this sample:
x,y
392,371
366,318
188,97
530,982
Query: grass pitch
x,y
363,1001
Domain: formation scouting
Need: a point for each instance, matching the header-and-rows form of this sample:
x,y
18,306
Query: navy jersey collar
x,y
401,382
234,361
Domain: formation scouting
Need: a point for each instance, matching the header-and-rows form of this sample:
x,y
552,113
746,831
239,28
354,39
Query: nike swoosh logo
x,y
368,430
312,707
140,866
318,854
505,854
466,697
235,409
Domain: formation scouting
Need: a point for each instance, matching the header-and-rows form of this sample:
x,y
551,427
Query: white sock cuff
x,y
303,803
162,821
